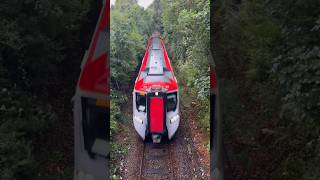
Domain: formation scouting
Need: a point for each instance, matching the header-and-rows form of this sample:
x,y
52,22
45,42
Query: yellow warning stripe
x,y
103,102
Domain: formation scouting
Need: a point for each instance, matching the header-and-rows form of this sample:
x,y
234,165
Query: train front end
x,y
155,94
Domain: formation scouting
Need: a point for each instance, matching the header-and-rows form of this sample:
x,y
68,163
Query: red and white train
x,y
156,94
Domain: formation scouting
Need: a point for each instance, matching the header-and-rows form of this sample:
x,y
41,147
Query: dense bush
x,y
36,39
268,51
22,120
187,25
40,53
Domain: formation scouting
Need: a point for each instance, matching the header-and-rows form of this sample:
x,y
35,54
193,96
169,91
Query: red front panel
x,y
156,114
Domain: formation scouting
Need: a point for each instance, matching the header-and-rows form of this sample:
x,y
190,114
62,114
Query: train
x,y
91,105
155,97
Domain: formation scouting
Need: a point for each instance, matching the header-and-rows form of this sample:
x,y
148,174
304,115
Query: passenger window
x,y
141,102
171,101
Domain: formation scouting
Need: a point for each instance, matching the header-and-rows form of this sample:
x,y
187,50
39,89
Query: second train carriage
x,y
156,94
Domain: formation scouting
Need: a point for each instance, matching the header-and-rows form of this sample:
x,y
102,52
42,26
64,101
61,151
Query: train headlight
x,y
174,118
138,119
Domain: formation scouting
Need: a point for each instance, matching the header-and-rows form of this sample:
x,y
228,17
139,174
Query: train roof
x,y
94,75
156,70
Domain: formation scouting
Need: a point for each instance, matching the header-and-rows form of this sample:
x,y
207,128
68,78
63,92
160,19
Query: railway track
x,y
156,161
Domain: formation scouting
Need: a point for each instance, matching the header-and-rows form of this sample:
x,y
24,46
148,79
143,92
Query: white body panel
x,y
173,127
140,127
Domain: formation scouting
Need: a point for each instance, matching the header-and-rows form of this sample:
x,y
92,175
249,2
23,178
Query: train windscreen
x,y
95,119
171,101
141,102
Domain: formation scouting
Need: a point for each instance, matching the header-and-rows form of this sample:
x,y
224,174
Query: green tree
x,y
39,48
266,54
187,26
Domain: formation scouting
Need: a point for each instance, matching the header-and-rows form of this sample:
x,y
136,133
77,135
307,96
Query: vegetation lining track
x,y
156,161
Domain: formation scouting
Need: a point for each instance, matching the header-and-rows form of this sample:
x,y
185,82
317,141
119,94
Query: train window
x,y
141,102
171,101
94,124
